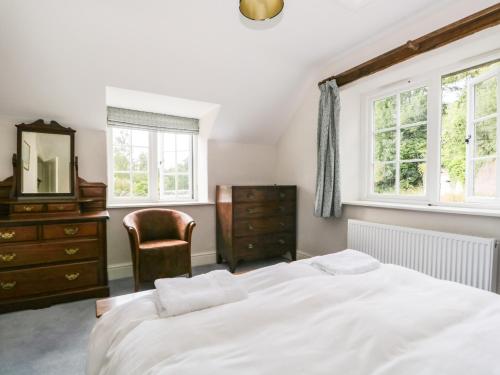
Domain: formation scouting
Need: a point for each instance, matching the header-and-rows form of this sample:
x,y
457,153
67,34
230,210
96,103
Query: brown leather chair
x,y
160,241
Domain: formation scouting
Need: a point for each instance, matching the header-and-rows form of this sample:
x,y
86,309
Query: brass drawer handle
x,y
28,208
72,276
60,208
71,231
250,245
251,210
250,195
282,242
250,227
7,257
8,286
71,251
7,235
282,224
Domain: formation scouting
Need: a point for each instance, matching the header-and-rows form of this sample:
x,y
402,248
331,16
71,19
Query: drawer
x,y
14,284
23,255
27,208
18,234
264,194
69,230
257,210
254,247
268,225
62,207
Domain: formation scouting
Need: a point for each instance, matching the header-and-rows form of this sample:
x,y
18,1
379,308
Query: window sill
x,y
157,204
425,208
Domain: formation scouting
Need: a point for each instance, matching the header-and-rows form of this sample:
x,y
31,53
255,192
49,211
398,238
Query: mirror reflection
x,y
46,163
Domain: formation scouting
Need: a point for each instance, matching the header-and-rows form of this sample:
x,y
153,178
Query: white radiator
x,y
464,259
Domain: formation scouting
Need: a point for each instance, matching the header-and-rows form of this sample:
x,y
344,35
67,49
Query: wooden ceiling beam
x,y
472,24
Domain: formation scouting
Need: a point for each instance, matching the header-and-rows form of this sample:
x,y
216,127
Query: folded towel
x,y
347,262
181,295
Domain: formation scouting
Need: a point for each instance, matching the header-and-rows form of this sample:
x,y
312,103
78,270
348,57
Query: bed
x,y
299,320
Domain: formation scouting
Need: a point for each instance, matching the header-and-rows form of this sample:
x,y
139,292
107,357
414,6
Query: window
x,y
448,156
150,163
400,143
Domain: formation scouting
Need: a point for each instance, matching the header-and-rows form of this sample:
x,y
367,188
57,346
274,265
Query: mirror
x,y
45,159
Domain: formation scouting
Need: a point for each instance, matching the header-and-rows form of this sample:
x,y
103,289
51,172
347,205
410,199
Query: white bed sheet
x,y
298,320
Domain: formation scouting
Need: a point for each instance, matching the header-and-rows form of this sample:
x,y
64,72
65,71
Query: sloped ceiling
x,y
58,56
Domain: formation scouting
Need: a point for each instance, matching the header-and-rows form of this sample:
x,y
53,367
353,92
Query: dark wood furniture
x,y
160,242
474,23
52,247
255,222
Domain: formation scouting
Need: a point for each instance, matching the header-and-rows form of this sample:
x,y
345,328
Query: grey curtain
x,y
128,118
328,202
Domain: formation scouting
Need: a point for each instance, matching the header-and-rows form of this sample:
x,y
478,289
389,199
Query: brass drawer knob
x,y
282,242
72,276
28,208
60,208
250,227
71,250
70,231
7,235
250,245
251,210
7,257
8,285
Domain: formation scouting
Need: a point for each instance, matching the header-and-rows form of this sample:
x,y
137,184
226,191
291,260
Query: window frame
x,y
154,196
433,79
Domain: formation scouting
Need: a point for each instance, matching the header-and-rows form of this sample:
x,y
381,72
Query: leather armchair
x,y
160,242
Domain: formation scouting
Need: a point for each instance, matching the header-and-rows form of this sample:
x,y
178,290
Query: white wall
x,y
296,160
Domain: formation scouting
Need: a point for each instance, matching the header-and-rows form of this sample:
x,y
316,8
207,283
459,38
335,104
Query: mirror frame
x,y
40,126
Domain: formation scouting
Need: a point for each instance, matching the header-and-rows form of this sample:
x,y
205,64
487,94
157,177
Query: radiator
x,y
464,259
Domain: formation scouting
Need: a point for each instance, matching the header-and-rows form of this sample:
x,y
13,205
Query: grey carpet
x,y
53,341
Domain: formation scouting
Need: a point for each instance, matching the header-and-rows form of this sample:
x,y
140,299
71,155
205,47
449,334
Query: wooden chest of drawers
x,y
51,251
255,222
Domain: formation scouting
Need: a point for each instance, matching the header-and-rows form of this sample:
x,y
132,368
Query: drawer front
x,y
18,234
69,230
27,208
254,247
62,207
24,255
263,194
253,227
258,210
14,284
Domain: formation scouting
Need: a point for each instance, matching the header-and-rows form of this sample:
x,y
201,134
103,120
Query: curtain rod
x,y
472,24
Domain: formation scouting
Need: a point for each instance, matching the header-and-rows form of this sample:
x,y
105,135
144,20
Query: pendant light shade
x,y
261,10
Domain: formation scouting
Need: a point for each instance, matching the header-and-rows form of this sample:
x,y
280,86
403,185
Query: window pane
x,y
485,98
182,161
183,182
485,178
385,178
169,162
122,184
183,142
140,184
384,113
412,177
413,106
169,183
168,142
140,138
413,143
485,138
121,137
121,157
140,159
385,146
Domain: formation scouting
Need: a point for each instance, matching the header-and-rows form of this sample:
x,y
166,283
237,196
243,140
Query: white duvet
x,y
298,320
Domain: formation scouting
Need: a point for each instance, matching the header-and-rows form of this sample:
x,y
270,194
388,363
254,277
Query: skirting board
x,y
123,270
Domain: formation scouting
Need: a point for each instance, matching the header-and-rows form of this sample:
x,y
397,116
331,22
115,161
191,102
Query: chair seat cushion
x,y
162,244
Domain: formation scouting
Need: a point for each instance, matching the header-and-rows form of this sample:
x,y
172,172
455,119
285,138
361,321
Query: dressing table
x,y
52,224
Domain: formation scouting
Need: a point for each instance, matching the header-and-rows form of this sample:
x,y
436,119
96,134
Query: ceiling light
x,y
261,10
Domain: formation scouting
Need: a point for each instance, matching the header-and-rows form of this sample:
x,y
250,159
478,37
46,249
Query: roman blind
x,y
128,118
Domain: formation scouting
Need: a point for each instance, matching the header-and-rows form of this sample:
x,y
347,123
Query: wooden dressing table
x,y
52,232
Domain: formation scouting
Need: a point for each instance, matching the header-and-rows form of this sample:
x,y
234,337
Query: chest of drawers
x,y
255,222
53,252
